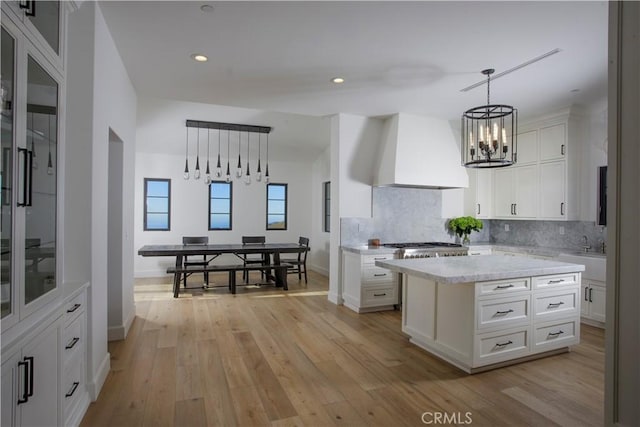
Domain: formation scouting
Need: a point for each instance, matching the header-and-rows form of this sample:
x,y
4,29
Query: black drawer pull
x,y
379,258
504,312
379,295
556,281
555,334
73,389
74,308
380,274
72,343
504,286
555,304
504,343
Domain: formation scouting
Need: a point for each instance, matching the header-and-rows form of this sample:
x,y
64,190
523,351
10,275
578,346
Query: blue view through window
x,y
157,204
276,206
220,205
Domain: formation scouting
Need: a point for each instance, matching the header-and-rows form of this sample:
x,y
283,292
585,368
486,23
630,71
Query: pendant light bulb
x,y
49,161
266,172
207,174
228,175
186,158
259,171
247,176
239,167
196,174
218,167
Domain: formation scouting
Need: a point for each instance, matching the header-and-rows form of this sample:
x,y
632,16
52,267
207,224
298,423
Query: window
x,y
276,206
220,205
157,204
327,206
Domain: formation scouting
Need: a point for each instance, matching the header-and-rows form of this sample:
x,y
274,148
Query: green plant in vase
x,y
463,226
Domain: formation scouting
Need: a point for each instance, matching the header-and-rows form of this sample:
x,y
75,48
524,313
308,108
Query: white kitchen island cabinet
x,y
480,313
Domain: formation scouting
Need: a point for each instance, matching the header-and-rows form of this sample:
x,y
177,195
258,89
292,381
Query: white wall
x,y
355,141
319,259
593,155
102,99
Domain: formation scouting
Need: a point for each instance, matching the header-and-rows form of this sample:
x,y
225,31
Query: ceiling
x,y
395,56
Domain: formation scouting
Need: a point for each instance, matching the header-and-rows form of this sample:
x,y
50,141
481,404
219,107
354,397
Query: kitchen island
x,y
480,313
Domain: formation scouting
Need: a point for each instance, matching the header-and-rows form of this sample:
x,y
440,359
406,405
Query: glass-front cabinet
x,y
31,88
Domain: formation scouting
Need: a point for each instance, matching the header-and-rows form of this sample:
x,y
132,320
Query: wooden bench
x,y
279,269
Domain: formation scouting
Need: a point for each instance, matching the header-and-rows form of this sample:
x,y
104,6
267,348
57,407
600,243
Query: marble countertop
x,y
369,250
477,269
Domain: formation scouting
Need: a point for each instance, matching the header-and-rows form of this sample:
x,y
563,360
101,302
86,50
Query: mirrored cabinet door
x,y
40,181
7,85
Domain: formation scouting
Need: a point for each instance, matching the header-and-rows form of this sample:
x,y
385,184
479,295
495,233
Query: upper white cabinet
x,y
527,147
43,22
553,190
553,142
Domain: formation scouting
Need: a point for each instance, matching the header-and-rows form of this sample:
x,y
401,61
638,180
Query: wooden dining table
x,y
266,249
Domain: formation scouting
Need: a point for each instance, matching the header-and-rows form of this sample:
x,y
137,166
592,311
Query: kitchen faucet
x,y
586,246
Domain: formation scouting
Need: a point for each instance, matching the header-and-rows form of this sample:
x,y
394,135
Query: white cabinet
x,y
593,297
527,148
30,386
478,197
367,287
553,142
515,192
553,190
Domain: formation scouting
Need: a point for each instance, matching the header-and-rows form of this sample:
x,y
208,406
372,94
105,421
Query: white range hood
x,y
419,151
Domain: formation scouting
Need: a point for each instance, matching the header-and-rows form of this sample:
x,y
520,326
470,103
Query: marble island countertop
x,y
478,268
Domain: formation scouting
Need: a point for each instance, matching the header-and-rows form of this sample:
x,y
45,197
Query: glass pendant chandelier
x,y
489,134
186,158
240,172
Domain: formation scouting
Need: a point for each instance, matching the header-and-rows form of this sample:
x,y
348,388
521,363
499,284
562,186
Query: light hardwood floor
x,y
270,357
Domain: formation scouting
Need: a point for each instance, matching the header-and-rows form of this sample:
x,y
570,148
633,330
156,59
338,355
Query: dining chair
x,y
195,240
300,262
251,258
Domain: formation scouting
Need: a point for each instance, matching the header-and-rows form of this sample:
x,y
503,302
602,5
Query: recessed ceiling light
x,y
337,80
199,57
206,8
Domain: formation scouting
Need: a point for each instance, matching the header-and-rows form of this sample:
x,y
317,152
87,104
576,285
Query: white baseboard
x,y
95,385
119,332
335,298
319,270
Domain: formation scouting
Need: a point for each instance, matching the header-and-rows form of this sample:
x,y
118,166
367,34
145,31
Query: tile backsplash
x,y
415,214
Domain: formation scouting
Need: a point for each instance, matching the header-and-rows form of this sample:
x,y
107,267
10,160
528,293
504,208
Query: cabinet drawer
x,y
74,307
557,334
377,274
503,312
499,287
370,260
545,282
553,304
382,295
73,340
73,383
500,346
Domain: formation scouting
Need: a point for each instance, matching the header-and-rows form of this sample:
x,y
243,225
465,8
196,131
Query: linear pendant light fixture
x,y
229,127
489,134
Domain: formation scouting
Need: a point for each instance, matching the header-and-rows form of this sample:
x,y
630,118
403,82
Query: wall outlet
x,y
506,227
561,230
